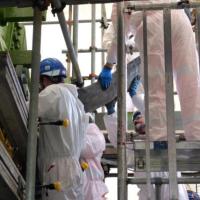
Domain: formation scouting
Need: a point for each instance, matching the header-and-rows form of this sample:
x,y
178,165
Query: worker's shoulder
x,y
59,87
70,88
58,91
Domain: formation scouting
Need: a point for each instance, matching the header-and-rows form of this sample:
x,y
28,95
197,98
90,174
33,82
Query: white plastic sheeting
x,y
60,147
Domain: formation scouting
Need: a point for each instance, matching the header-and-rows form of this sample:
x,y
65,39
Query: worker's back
x,y
59,146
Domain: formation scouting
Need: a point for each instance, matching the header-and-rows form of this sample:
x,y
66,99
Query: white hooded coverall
x,y
94,187
110,122
60,147
108,36
185,67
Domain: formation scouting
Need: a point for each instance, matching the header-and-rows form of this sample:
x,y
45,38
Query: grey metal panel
x,y
13,110
9,175
94,97
188,157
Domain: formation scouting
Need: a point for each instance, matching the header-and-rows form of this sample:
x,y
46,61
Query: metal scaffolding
x,y
123,178
121,91
33,108
73,51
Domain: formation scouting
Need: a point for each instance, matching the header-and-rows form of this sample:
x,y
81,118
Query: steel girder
x,y
29,3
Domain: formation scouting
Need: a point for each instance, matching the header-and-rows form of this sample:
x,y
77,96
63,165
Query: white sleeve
x,y
110,122
138,102
94,142
112,51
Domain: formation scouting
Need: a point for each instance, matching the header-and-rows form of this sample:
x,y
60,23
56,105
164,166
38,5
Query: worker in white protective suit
x,y
137,98
94,187
185,67
60,147
110,121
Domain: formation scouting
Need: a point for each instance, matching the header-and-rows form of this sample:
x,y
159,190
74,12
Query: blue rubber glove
x,y
111,107
105,77
134,86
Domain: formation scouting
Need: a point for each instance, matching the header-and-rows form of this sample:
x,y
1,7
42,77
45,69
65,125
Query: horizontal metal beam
x,y
86,50
188,158
16,3
29,3
183,180
71,2
160,6
20,57
67,22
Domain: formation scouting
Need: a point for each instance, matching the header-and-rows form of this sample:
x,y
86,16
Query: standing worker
x,y
110,121
59,146
185,67
94,186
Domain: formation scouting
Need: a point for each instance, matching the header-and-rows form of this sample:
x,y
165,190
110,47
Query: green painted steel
x,y
14,14
12,37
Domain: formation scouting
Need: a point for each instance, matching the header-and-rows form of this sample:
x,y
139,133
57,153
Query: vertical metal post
x,y
75,35
68,59
93,40
121,122
33,107
103,14
158,191
146,87
63,25
173,186
198,31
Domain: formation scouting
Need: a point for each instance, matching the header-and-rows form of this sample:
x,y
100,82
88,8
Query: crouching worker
x,y
60,145
94,186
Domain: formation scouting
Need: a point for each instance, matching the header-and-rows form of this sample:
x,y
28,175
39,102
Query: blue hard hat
x,y
136,115
52,67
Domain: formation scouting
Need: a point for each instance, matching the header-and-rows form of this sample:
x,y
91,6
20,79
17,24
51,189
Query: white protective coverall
x,y
60,147
110,122
109,34
185,67
94,187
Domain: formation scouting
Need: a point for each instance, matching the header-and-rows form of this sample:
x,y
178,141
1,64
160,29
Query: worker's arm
x,y
105,77
110,122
